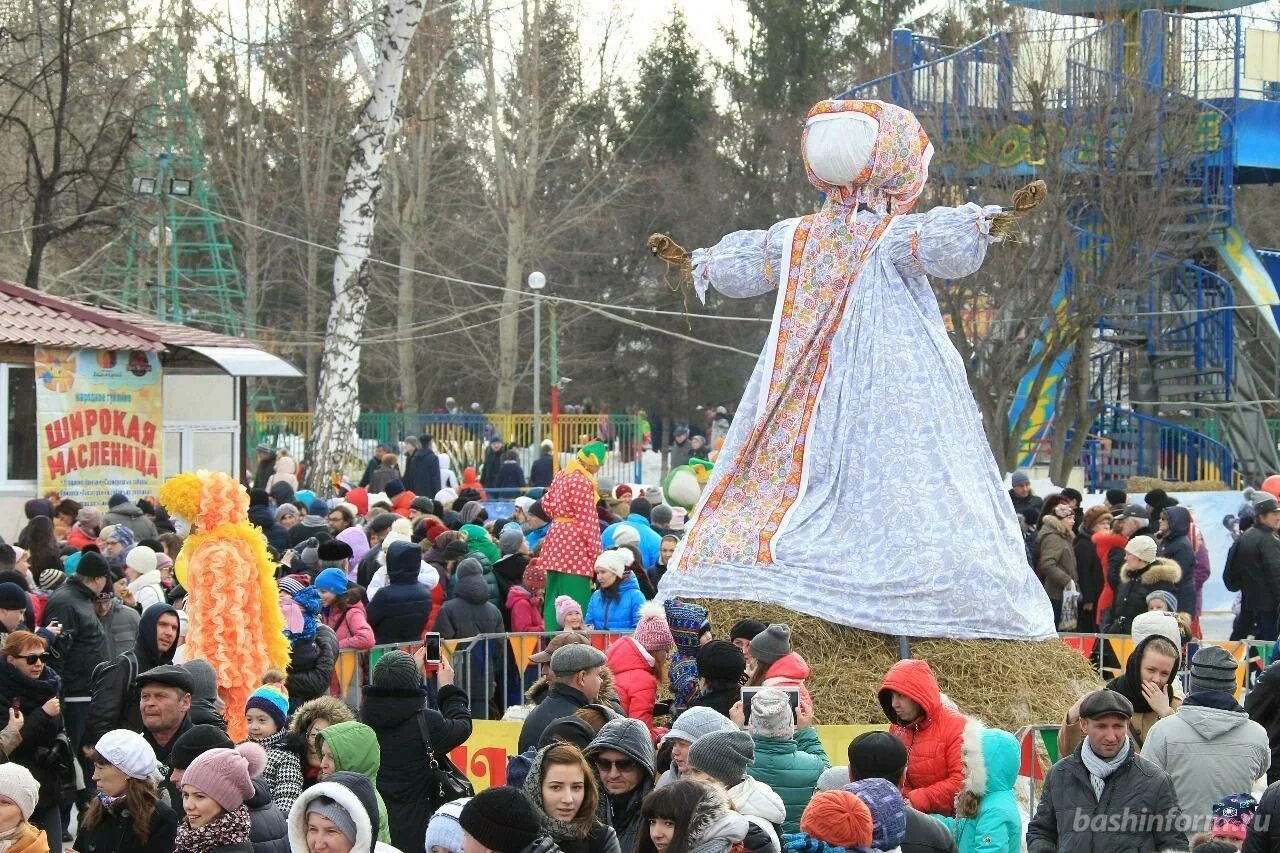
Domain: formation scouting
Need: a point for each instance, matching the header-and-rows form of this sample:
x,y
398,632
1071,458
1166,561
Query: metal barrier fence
x,y
465,437
494,670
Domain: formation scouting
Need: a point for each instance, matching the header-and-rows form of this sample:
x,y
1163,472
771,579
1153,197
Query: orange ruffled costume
x,y
234,618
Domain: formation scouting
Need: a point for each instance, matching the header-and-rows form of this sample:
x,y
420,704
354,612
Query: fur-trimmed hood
x,y
355,794
712,821
1161,571
991,759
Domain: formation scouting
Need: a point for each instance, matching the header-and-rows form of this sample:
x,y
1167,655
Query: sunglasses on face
x,y
622,765
32,660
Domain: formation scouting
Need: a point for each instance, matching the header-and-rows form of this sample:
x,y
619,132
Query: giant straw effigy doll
x,y
233,611
856,483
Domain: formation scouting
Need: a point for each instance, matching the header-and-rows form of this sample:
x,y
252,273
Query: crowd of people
x,y
672,735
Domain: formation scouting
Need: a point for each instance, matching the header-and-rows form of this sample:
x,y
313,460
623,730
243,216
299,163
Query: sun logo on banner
x,y
57,373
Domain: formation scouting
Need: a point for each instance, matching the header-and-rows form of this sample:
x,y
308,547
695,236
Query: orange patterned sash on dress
x,y
827,254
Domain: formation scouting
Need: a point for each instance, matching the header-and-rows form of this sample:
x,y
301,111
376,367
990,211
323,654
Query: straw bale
x,y
1142,485
1004,683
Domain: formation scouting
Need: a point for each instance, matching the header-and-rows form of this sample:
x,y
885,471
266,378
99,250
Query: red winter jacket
x,y
790,670
1104,543
634,680
935,769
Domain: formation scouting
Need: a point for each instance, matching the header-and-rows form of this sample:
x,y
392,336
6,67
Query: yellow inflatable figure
x,y
233,612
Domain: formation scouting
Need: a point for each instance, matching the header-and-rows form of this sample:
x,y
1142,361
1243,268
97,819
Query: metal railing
x,y
465,437
1157,448
494,670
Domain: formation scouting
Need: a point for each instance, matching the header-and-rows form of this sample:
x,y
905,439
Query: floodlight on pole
x,y
536,282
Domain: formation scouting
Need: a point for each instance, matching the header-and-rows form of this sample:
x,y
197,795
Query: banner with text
x,y
99,416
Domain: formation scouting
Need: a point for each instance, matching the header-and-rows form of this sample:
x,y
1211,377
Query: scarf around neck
x,y
1100,768
226,829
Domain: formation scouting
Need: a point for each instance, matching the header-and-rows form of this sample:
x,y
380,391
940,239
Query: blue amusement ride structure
x,y
1185,364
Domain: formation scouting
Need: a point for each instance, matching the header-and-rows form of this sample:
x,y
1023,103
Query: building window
x,y
19,384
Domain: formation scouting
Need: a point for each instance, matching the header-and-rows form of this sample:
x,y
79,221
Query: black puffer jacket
x,y
1255,571
72,605
1263,706
403,780
309,679
268,829
39,729
114,832
1135,586
561,700
1135,790
264,518
1176,546
398,612
115,689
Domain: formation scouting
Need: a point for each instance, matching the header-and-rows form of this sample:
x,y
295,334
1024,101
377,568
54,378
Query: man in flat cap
x,y
165,705
1104,796
577,683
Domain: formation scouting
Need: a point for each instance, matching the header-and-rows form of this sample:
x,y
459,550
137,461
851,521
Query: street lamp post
x,y
536,282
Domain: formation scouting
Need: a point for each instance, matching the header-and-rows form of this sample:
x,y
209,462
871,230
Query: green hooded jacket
x,y
355,748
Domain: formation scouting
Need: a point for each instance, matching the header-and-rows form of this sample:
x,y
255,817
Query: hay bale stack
x,y
1005,683
1142,485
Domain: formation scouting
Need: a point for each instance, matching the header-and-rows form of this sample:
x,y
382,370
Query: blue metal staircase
x,y
1168,343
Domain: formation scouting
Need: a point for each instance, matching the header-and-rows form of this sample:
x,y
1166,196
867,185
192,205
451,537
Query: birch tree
x,y
338,397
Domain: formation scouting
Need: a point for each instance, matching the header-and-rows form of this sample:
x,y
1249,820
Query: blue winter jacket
x,y
650,541
620,613
992,759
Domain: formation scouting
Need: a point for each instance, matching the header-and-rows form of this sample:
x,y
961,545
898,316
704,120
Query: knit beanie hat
x,y
331,580
1156,622
501,819
721,661
271,700
397,670
688,623
12,597
51,579
1213,668
697,722
625,534
877,755
660,516
92,565
746,629
838,818
833,778
615,560
1231,815
564,606
1020,478
535,577
1169,599
444,830
127,752
724,756
771,644
197,740
19,787
1143,548
222,775
771,715
509,541
329,808
888,812
141,559
652,632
